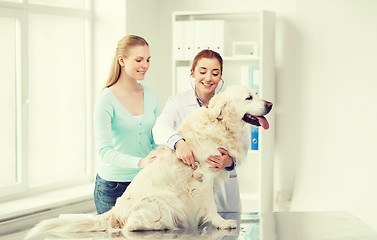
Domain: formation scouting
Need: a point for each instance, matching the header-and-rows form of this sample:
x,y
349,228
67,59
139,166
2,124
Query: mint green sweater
x,y
121,139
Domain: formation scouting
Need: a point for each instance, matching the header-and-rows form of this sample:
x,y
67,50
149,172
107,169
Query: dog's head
x,y
242,103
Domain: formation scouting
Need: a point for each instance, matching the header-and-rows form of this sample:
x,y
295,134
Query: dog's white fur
x,y
168,194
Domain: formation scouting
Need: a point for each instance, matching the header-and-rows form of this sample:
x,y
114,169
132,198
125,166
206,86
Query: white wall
x,y
326,53
336,67
143,18
109,28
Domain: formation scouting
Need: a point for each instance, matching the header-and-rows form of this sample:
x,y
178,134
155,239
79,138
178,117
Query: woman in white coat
x,y
207,71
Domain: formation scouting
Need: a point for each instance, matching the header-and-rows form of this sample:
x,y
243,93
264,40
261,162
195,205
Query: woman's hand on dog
x,y
184,152
220,162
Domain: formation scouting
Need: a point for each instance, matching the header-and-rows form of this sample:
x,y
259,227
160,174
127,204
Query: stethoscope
x,y
196,164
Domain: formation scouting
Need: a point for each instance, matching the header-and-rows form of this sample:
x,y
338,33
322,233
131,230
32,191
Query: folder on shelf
x,y
254,83
189,38
183,78
217,40
245,76
194,36
254,138
251,76
201,35
178,42
255,79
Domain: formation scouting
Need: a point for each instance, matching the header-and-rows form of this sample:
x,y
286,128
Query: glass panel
x,y
8,101
57,98
61,3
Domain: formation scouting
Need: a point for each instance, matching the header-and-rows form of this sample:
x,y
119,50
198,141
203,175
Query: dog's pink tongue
x,y
263,122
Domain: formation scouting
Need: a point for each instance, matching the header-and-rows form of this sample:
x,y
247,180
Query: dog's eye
x,y
249,98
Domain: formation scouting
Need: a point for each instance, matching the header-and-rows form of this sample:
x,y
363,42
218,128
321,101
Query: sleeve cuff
x,y
230,168
173,140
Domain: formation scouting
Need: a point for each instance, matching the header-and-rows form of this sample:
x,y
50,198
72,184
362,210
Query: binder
x,y
254,138
254,83
201,35
197,35
245,76
189,38
217,40
256,79
183,78
178,43
251,76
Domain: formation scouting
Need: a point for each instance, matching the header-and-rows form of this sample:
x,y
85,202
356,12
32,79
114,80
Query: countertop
x,y
256,226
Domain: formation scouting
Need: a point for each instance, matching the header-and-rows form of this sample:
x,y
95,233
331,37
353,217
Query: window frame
x,y
20,11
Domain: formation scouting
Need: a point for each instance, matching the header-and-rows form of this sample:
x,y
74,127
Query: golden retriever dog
x,y
169,195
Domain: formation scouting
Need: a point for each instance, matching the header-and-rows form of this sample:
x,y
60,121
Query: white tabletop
x,y
253,226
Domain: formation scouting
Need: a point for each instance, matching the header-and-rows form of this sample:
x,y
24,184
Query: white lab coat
x,y
227,196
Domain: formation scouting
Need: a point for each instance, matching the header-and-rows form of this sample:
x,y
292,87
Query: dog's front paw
x,y
226,224
133,225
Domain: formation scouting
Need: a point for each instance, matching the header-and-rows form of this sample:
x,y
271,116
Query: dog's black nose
x,y
269,105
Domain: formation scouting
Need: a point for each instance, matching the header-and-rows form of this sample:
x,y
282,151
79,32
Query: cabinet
x,y
246,41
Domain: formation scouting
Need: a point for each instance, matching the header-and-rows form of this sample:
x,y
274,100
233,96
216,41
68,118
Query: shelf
x,y
242,58
233,58
253,152
250,34
183,60
213,15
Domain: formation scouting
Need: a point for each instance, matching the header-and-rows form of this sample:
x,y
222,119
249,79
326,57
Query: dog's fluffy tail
x,y
69,223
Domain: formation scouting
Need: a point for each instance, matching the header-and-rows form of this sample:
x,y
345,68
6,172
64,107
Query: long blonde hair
x,y
124,45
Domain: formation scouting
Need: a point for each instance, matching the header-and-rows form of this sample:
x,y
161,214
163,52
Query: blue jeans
x,y
106,193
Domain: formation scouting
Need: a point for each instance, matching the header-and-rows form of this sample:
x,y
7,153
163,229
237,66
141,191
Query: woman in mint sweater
x,y
124,114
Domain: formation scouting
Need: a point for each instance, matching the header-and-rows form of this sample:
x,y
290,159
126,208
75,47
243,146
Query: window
x,y
44,101
61,3
8,123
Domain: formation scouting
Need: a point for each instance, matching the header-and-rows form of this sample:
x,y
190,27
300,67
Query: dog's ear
x,y
216,106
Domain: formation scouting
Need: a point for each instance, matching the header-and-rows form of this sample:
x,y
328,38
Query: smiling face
x,y
207,74
136,63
